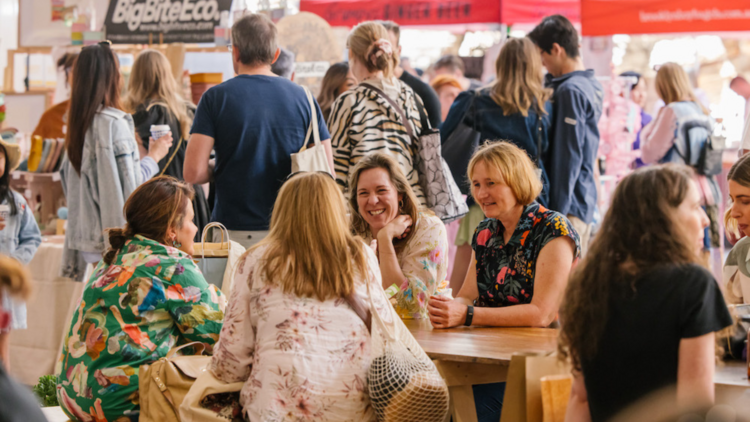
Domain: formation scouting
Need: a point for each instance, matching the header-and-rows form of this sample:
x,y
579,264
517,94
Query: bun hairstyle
x,y
150,211
369,43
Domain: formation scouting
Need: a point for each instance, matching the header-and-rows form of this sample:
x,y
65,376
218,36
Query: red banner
x,y
532,11
404,12
608,17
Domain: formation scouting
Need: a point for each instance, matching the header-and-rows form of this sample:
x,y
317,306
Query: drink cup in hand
x,y
157,131
4,214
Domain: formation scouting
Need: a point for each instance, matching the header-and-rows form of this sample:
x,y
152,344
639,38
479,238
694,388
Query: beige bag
x,y
163,384
194,408
315,158
218,261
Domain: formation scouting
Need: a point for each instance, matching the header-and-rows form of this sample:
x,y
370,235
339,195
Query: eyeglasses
x,y
303,172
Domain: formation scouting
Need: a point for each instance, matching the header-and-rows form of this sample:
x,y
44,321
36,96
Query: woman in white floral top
x,y
411,243
291,332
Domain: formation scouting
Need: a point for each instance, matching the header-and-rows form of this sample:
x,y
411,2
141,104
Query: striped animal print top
x,y
362,122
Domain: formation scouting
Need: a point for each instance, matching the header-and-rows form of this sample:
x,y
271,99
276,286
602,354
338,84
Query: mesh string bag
x,y
403,382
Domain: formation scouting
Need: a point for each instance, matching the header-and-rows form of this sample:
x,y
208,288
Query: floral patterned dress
x,y
301,359
505,272
131,313
424,262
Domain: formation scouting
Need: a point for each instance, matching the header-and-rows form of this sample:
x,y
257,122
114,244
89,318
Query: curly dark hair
x,y
638,234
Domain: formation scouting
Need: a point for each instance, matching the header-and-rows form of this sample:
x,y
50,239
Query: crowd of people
x,y
291,329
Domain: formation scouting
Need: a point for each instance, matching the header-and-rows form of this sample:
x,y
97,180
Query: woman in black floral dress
x,y
523,254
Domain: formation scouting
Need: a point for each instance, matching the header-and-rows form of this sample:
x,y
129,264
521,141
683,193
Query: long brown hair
x,y
150,211
638,234
740,173
329,89
317,256
95,83
410,207
518,86
152,80
673,85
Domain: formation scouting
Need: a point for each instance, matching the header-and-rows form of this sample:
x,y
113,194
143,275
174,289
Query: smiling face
x,y
377,199
491,192
740,211
691,218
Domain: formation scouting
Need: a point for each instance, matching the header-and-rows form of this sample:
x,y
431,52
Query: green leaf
x,y
46,390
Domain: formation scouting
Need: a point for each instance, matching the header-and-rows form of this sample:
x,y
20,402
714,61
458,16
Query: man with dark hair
x,y
451,64
425,92
284,65
577,106
254,122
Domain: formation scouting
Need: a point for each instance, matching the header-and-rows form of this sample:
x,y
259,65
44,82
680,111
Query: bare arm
x,y
552,271
695,371
578,405
329,154
197,169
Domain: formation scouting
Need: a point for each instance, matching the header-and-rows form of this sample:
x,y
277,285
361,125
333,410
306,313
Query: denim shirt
x,y
110,172
21,236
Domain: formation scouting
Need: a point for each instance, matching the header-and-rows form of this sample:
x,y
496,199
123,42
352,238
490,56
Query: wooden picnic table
x,y
467,356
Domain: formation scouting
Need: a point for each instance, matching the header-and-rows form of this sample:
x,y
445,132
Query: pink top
x,y
656,140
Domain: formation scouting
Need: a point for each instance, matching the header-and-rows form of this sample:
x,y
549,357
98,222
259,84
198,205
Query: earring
x,y
176,244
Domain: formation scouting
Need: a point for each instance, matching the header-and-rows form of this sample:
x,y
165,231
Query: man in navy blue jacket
x,y
574,140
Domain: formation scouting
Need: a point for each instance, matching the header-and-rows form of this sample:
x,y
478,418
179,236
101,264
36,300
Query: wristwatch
x,y
469,315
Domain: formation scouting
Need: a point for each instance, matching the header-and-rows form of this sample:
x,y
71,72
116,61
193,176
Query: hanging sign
x,y
143,21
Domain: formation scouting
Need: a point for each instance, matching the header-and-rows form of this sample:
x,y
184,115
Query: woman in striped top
x,y
362,121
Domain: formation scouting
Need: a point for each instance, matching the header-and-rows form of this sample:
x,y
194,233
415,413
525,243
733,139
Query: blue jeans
x,y
488,399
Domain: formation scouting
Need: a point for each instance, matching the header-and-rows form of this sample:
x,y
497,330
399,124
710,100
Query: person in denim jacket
x,y
102,166
19,239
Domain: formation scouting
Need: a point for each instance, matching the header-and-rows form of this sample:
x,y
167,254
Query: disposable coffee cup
x,y
4,211
157,131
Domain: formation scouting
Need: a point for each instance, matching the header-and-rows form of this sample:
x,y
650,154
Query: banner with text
x,y
189,21
608,17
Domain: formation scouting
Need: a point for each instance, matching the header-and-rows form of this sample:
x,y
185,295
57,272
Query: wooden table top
x,y
731,374
491,345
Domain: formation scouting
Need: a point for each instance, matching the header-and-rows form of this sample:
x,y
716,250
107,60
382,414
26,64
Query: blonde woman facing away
x,y
154,98
291,333
362,120
411,242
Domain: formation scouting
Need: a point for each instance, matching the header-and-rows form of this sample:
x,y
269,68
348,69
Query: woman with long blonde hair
x,y
515,108
678,134
296,327
154,98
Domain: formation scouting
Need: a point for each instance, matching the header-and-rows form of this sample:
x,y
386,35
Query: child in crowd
x,y
19,239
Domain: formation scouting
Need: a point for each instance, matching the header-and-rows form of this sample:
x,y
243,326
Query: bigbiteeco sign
x,y
191,21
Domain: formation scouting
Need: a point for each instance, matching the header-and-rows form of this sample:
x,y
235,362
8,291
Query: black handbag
x,y
460,146
709,158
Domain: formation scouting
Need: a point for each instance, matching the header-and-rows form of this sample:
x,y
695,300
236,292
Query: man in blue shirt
x,y
574,141
253,122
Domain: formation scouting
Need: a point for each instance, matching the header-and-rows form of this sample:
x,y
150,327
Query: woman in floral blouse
x,y
411,244
295,334
523,254
145,297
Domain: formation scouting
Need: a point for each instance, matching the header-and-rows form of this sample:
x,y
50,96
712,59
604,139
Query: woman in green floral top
x,y
411,244
145,297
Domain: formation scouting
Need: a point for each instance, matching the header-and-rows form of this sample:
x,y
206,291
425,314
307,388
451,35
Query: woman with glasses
x,y
102,166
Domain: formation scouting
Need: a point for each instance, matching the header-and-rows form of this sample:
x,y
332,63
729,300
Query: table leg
x,y
460,376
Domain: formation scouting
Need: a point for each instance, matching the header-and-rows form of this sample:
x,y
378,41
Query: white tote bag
x,y
314,158
218,261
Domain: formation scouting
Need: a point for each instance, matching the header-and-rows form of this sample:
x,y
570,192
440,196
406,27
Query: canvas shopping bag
x,y
211,400
315,158
218,261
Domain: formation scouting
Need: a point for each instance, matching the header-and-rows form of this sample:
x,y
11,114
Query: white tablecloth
x,y
34,351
